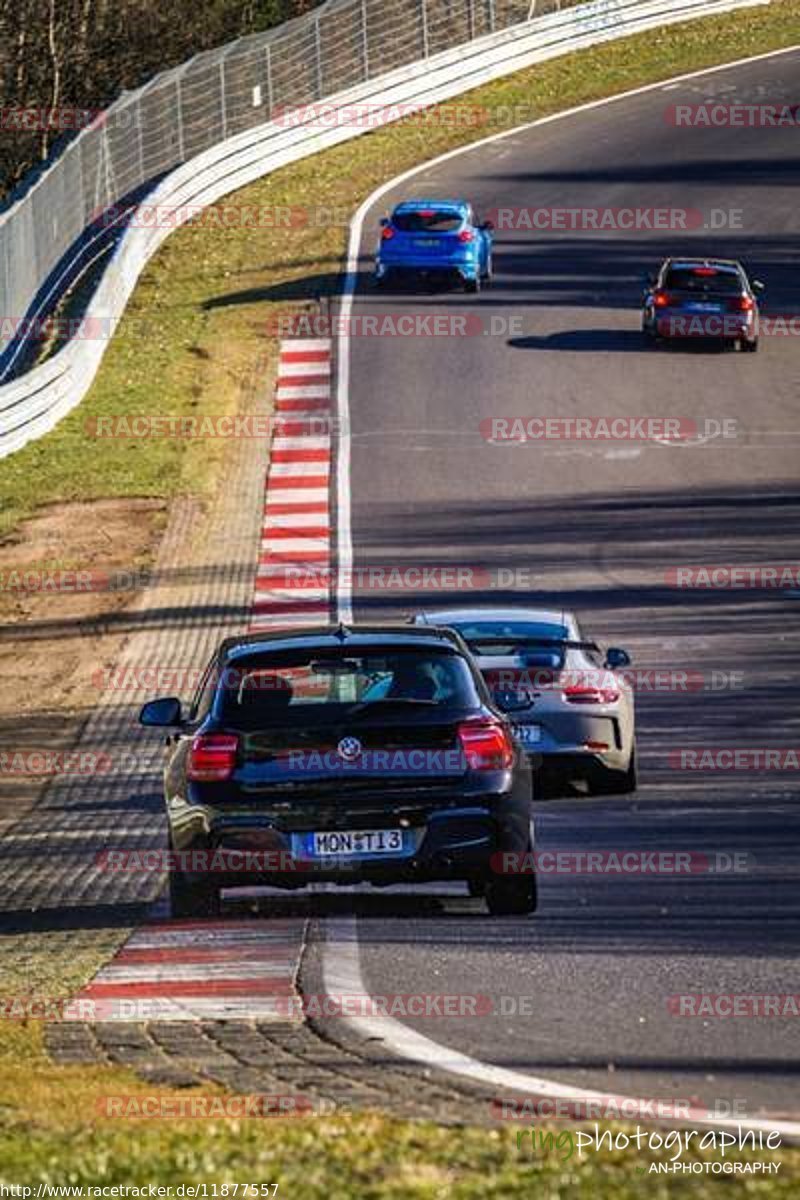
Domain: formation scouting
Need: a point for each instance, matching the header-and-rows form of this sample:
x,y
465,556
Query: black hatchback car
x,y
349,755
706,298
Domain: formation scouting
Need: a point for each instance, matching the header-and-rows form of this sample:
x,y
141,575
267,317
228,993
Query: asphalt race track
x,y
597,526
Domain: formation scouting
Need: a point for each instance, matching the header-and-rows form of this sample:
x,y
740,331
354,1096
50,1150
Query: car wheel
x,y
476,887
472,285
487,274
616,783
749,347
515,897
380,281
191,899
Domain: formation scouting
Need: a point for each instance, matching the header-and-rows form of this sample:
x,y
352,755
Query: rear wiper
x,y
390,700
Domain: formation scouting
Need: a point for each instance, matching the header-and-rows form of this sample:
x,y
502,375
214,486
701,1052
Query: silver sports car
x,y
571,704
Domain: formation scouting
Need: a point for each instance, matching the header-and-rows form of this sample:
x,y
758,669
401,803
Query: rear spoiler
x,y
519,645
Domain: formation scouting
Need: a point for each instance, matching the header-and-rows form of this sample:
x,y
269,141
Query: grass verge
x,y
54,1132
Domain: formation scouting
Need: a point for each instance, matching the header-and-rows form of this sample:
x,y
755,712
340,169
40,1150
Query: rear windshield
x,y
427,220
291,687
703,279
537,644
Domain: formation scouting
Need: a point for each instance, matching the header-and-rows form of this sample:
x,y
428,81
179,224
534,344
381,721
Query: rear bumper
x,y
453,841
577,762
462,267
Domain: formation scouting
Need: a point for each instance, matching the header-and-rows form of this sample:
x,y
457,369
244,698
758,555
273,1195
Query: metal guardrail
x,y
206,128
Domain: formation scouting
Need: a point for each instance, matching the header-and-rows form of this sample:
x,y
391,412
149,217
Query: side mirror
x,y
757,286
487,225
166,711
384,221
616,658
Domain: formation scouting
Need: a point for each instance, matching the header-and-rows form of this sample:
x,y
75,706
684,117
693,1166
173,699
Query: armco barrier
x,y
34,403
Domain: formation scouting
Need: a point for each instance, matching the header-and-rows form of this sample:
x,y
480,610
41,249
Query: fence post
x,y
224,113
181,147
491,16
364,38
424,28
471,20
318,40
270,99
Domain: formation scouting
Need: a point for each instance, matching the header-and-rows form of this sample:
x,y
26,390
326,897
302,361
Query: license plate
x,y
356,842
426,241
708,308
529,735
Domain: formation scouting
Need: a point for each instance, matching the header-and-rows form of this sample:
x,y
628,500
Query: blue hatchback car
x,y
435,238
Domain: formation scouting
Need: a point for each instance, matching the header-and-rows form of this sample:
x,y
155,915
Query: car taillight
x,y
466,235
705,271
741,304
661,299
590,695
387,233
487,745
212,757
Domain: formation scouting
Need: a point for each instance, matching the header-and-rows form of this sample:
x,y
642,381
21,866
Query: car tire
x,y
476,888
472,285
486,277
188,898
617,783
514,897
749,347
